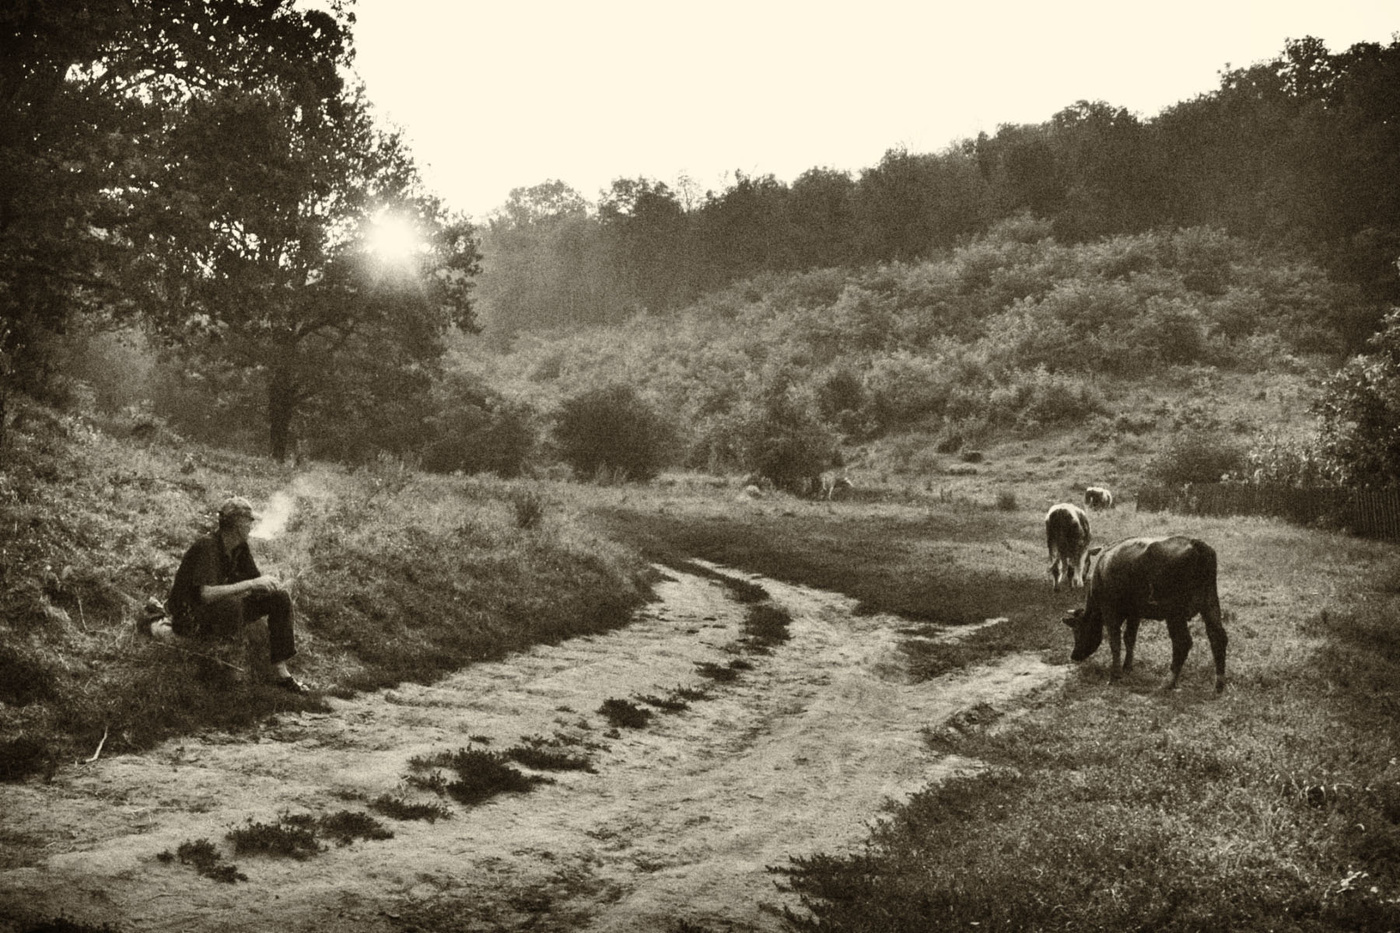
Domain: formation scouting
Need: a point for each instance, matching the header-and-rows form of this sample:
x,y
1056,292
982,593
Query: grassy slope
x,y
396,576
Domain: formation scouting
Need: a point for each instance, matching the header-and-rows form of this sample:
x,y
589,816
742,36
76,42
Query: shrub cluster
x,y
612,429
1199,455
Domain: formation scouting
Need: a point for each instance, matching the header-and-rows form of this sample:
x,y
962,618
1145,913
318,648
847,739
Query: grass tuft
x,y
346,826
765,626
206,860
292,836
625,714
544,754
481,775
399,809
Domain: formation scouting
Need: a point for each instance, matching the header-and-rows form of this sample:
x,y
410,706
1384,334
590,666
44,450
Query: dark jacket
x,y
206,563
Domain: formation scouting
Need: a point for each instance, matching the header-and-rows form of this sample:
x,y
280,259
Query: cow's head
x,y
1088,632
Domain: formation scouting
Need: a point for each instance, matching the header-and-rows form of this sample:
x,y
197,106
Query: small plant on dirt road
x,y
480,775
293,836
346,826
544,754
625,714
765,626
206,860
669,704
720,673
397,808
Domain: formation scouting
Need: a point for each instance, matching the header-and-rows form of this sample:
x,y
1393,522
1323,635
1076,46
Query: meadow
x,y
1275,805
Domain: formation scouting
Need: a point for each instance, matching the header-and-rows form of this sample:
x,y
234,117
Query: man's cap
x,y
235,505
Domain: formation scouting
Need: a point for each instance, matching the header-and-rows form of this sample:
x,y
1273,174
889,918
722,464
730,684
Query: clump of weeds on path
x,y
723,673
481,775
398,808
765,627
548,754
345,826
206,859
291,836
625,714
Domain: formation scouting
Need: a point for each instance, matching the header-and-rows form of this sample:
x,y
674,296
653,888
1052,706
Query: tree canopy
x,y
206,164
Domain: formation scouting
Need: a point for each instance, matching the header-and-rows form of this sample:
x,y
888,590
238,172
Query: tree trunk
x,y
281,407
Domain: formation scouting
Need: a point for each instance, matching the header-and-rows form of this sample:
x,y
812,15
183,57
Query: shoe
x,y
150,614
291,685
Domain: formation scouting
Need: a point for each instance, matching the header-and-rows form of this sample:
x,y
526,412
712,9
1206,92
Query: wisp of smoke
x,y
273,520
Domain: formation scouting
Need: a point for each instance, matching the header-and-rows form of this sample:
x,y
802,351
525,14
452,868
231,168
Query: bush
x,y
781,437
477,430
839,391
1360,411
905,388
1036,398
1198,456
614,431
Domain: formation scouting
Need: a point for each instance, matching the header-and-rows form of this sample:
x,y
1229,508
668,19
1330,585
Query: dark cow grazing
x,y
1067,537
1097,497
1151,578
832,481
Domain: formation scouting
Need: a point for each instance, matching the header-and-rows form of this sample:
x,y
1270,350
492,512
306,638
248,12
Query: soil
x,y
676,828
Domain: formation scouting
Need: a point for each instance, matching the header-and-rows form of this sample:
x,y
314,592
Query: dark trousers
x,y
224,619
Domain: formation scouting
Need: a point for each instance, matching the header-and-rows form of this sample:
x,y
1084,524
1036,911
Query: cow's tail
x,y
1206,567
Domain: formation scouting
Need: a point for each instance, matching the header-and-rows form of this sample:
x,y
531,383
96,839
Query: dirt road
x,y
678,822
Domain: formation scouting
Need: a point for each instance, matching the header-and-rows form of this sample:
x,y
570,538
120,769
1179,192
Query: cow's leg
x,y
1055,571
1181,646
1115,638
1218,640
1129,642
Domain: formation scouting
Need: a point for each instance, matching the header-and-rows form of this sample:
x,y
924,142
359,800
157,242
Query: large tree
x,y
84,88
262,258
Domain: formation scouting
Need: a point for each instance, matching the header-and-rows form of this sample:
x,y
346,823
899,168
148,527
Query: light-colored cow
x,y
832,481
1067,537
1098,497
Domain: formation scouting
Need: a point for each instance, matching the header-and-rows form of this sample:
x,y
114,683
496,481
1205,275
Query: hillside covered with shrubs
x,y
1011,335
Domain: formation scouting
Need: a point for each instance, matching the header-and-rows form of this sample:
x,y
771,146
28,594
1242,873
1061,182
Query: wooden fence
x,y
1371,513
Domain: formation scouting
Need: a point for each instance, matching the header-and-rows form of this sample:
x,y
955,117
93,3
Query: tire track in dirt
x,y
680,821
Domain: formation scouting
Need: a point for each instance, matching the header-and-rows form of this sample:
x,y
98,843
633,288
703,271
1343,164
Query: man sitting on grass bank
x,y
219,589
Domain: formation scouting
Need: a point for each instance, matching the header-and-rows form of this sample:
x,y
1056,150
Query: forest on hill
x,y
1300,151
191,242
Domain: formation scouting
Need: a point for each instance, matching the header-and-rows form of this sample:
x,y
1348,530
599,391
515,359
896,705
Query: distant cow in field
x,y
1151,578
1098,497
1067,537
832,481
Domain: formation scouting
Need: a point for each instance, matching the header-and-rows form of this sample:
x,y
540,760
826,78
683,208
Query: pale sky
x,y
511,93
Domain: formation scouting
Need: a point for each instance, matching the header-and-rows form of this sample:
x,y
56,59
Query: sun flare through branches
x,y
393,238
